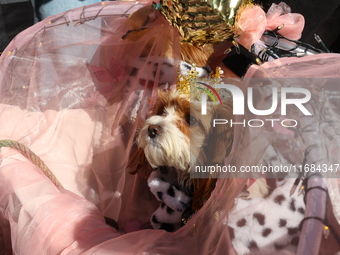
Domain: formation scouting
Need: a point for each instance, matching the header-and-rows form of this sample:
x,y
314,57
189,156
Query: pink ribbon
x,y
254,21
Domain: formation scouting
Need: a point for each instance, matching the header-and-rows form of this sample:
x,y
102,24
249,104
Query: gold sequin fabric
x,y
201,22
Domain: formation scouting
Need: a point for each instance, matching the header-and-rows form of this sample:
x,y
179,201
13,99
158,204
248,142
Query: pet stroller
x,y
72,91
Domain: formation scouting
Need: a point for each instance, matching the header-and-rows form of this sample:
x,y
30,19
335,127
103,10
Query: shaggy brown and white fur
x,y
177,137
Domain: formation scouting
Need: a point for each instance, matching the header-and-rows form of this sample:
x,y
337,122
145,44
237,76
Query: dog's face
x,y
178,135
165,135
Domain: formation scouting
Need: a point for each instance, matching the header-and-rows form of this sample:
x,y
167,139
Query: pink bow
x,y
254,21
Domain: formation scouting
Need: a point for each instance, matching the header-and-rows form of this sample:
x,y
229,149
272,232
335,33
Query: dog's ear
x,y
218,148
138,163
222,135
202,191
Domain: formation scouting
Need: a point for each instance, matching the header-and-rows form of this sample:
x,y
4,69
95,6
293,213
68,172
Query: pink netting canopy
x,y
72,90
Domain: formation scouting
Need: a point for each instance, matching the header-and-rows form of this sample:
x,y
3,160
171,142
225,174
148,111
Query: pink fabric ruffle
x,y
254,21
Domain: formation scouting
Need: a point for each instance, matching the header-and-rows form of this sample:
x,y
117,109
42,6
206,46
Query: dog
x,y
171,143
175,139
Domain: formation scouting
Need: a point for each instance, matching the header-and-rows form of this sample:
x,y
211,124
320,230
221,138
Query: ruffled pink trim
x,y
254,21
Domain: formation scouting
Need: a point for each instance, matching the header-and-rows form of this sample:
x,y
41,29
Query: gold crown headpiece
x,y
202,21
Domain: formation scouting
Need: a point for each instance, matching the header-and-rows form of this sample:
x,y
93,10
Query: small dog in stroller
x,y
174,140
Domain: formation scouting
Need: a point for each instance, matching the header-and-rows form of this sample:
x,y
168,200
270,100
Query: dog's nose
x,y
154,130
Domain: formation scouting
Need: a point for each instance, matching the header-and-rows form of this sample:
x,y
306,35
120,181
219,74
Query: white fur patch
x,y
177,202
271,224
162,216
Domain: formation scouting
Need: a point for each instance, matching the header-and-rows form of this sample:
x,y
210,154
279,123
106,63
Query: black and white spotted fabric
x,y
268,225
185,68
174,201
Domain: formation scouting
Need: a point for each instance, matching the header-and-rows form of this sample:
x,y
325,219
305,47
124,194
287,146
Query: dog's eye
x,y
161,112
191,120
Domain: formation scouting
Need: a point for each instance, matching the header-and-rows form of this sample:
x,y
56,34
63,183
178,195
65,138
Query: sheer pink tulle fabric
x,y
254,21
63,95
